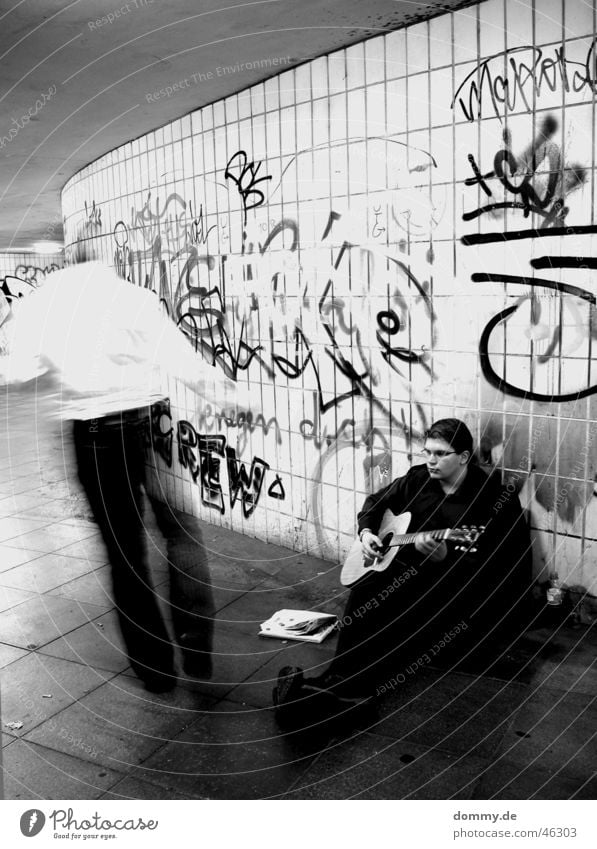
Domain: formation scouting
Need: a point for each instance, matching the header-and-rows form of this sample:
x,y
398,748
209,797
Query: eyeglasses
x,y
439,455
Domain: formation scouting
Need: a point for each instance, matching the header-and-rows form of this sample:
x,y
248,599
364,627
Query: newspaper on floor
x,y
307,625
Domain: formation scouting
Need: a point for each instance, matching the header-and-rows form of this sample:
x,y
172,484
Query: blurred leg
x,y
111,466
191,595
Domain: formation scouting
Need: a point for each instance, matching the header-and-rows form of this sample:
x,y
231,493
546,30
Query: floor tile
x,y
45,573
24,484
12,526
10,557
50,538
135,788
51,508
454,712
122,722
42,619
232,574
94,587
570,674
367,766
91,548
236,657
10,597
98,644
37,687
554,731
252,557
262,601
8,654
565,660
35,772
505,780
232,753
23,503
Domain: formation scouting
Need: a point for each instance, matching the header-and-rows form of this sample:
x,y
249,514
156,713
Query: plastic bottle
x,y
554,590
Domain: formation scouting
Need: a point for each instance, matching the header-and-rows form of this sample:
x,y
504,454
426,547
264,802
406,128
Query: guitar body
x,y
356,566
393,535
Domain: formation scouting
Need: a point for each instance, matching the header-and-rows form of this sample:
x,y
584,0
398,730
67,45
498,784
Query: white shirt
x,y
106,345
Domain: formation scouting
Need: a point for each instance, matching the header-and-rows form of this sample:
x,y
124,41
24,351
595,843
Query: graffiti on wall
x,y
559,315
538,180
241,310
26,279
335,298
530,71
204,455
537,346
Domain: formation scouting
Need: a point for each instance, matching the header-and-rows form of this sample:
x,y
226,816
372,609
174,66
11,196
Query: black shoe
x,y
289,686
336,688
196,656
197,665
299,701
159,683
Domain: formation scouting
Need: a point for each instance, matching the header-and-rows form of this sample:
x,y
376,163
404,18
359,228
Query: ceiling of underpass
x,y
78,77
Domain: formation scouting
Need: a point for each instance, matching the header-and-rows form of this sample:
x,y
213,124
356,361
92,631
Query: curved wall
x,y
20,273
382,237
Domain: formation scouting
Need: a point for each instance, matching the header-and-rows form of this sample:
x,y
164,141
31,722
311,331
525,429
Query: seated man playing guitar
x,y
431,587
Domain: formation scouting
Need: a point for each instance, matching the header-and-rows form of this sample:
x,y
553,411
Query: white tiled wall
x,y
22,272
345,238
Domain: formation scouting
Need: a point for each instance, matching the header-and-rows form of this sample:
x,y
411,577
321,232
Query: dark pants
x,y
111,460
413,612
424,613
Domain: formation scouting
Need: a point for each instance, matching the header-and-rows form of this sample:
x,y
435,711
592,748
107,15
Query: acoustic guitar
x,y
393,536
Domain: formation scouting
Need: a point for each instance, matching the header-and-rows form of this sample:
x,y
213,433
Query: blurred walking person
x,y
105,351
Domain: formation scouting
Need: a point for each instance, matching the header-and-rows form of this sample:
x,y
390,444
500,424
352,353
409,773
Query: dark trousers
x,y
111,460
395,618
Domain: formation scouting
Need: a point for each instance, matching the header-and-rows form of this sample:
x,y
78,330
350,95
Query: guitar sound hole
x,y
385,543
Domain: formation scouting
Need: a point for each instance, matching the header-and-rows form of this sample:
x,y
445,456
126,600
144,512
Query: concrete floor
x,y
90,731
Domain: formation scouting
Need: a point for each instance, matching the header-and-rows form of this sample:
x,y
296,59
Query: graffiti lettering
x,y
528,72
377,229
531,233
247,486
198,233
244,175
187,441
243,486
211,448
162,432
93,218
519,177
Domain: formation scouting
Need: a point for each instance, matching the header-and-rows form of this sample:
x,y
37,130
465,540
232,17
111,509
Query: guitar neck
x,y
406,539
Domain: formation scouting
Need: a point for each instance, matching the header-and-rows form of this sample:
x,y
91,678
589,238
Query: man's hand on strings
x,y
435,551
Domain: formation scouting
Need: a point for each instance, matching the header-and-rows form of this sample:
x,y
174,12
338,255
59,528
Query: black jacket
x,y
490,581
